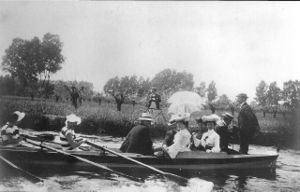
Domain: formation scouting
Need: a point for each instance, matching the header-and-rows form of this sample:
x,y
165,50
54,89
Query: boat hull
x,y
195,160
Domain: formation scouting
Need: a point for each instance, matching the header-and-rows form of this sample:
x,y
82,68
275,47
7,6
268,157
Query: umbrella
x,y
185,102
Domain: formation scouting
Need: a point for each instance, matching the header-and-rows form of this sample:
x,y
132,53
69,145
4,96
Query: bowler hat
x,y
242,95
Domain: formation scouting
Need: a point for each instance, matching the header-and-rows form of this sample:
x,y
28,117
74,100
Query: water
x,y
285,177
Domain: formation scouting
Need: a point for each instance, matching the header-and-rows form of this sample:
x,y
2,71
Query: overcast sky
x,y
236,44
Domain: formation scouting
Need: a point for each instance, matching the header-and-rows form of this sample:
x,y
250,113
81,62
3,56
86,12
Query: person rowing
x,y
67,135
10,132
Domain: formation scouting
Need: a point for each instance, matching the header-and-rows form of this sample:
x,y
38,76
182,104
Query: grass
x,y
99,119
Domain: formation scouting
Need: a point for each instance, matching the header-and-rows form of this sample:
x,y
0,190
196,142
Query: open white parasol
x,y
183,102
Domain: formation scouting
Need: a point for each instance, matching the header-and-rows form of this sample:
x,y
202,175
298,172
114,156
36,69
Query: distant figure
x,y
210,140
138,139
10,131
67,135
247,123
222,128
74,94
153,99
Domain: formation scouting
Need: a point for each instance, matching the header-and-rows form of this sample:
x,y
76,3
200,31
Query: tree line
x,y
30,65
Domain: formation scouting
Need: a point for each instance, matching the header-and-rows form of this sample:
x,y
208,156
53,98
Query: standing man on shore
x,y
247,123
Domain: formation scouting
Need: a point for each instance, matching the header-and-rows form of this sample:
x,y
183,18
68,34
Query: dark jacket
x,y
169,138
138,140
247,121
223,132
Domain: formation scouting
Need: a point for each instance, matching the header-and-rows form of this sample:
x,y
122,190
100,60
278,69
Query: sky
x,y
235,44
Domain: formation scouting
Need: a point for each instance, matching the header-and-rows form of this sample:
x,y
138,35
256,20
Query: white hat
x,y
212,117
20,115
146,117
179,117
73,118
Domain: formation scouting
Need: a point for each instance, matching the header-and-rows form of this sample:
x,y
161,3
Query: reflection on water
x,y
285,178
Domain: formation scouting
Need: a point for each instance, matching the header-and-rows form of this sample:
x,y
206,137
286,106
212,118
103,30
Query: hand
x,y
208,151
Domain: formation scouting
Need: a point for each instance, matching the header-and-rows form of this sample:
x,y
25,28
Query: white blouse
x,y
182,140
211,139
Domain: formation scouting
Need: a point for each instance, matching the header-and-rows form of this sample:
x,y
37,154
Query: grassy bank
x,y
105,119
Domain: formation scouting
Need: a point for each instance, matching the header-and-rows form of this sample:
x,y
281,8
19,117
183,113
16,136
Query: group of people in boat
x,y
214,139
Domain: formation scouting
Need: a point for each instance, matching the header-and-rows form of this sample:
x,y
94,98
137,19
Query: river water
x,y
285,177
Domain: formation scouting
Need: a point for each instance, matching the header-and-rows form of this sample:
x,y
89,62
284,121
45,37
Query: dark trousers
x,y
245,138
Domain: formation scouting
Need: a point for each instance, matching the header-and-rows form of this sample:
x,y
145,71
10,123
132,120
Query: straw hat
x,y
227,116
146,117
73,119
20,115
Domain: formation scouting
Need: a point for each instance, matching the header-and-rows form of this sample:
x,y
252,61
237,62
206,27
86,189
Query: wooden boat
x,y
193,160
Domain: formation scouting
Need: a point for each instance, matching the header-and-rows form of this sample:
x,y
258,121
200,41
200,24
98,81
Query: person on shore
x,y
153,100
67,135
210,140
10,131
138,139
182,138
247,123
222,129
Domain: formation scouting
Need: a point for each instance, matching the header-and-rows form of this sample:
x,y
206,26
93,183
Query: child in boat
x,y
10,131
210,140
67,135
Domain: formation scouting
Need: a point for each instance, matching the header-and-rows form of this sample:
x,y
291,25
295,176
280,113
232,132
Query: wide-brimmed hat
x,y
20,115
73,119
146,117
242,95
227,116
179,118
210,118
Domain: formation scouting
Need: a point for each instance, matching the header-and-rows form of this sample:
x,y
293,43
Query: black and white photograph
x,y
149,96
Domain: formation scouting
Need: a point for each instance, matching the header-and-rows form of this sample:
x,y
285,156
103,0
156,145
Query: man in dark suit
x,y
153,98
138,139
247,123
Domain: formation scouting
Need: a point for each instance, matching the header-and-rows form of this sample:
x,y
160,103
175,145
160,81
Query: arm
x,y
73,143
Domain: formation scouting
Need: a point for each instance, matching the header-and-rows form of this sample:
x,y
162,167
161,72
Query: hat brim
x,y
145,119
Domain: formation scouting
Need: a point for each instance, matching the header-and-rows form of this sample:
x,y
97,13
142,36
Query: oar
x,y
81,159
171,176
35,178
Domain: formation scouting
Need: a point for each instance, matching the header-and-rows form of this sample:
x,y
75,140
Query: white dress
x,y
209,139
182,140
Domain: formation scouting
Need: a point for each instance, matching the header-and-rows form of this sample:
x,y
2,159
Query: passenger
x,y
138,139
223,132
210,140
67,135
182,139
10,131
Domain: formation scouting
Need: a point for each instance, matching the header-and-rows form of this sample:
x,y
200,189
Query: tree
x,y
169,81
211,92
30,61
201,89
7,85
261,93
120,88
291,93
273,94
223,102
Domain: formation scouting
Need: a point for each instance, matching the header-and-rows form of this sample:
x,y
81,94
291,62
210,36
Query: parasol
x,y
185,102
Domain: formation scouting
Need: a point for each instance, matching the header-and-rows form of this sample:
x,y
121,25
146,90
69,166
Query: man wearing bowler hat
x,y
247,123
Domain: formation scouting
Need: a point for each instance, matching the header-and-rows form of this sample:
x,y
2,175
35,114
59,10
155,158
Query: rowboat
x,y
192,160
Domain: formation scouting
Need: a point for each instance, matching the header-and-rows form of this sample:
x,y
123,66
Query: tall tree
x,y
291,92
273,94
223,102
211,92
31,60
261,93
120,88
169,81
201,89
